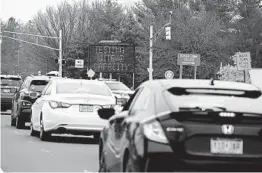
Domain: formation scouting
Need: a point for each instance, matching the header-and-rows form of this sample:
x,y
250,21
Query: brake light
x,y
153,131
55,104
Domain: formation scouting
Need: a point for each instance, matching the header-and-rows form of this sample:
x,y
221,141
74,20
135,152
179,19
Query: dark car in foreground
x,y
9,86
184,125
25,97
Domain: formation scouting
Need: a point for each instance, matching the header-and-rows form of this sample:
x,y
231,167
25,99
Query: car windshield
x,y
82,88
118,86
38,85
11,82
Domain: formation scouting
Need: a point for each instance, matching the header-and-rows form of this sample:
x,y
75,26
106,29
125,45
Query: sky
x,y
25,10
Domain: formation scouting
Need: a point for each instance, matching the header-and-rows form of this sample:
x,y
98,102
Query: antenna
x,y
212,81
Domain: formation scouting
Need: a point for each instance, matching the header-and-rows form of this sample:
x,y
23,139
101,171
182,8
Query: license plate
x,y
226,146
6,90
85,108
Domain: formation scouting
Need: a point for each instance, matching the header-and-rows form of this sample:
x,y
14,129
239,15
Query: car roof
x,y
11,76
67,80
40,77
199,83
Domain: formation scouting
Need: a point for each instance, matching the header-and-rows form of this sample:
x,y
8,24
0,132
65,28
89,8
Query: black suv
x,y
9,86
25,97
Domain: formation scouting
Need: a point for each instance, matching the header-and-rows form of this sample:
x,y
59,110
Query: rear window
x,y
11,81
118,86
38,85
197,99
82,88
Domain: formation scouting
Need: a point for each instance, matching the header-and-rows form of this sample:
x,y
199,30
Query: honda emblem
x,y
227,129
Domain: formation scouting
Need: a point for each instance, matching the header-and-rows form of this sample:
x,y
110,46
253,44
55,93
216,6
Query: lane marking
x,y
1,170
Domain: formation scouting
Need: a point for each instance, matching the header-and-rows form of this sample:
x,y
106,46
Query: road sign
x,y
169,74
112,58
188,59
79,63
243,61
90,73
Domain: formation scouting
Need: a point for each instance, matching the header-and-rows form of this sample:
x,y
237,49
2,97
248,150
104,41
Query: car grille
x,y
214,117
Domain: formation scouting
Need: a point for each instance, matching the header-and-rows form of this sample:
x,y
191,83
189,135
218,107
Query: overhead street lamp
x,y
153,38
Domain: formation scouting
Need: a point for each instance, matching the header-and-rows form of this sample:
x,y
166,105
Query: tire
x,y
130,166
44,136
19,123
32,131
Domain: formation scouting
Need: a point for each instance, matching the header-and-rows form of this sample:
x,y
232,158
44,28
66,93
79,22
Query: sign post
x,y
243,61
190,60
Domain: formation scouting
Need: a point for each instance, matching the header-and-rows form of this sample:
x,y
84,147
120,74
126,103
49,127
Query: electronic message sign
x,y
112,58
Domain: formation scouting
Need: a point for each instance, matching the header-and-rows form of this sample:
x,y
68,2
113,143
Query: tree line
x,y
215,29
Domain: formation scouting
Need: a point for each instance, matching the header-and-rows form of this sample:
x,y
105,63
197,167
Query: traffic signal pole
x,y
153,38
37,44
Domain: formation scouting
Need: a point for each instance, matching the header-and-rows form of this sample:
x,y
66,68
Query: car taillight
x,y
153,131
55,104
26,104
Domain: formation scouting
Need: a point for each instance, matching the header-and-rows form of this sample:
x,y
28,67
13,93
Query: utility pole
x,y
60,53
154,38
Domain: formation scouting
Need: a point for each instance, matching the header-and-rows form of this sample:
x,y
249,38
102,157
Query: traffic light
x,y
168,33
63,61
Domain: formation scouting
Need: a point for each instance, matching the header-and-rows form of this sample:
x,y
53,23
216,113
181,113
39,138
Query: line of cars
x,y
60,105
165,125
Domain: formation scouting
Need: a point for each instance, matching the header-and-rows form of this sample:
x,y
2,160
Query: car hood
x,y
85,99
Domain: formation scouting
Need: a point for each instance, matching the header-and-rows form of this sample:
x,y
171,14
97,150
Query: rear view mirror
x,y
106,113
34,94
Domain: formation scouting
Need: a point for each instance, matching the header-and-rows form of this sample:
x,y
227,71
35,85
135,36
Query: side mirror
x,y
106,113
34,94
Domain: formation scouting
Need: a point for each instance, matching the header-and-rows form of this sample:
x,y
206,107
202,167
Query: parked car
x,y
9,86
120,90
70,106
25,97
181,125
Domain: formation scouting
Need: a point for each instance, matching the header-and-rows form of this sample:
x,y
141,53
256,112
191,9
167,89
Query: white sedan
x,y
70,106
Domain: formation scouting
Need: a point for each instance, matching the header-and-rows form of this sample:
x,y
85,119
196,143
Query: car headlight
x,y
153,131
55,104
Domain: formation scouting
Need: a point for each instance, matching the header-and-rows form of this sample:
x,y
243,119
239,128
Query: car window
x,y
141,102
23,86
82,88
129,103
11,81
38,85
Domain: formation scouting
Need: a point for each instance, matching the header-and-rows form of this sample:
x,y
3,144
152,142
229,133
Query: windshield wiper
x,y
203,109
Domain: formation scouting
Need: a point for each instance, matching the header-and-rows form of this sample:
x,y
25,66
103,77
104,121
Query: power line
x,y
30,34
30,43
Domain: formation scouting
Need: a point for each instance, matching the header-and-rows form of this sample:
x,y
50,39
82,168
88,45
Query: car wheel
x,y
32,131
102,164
19,123
130,166
44,136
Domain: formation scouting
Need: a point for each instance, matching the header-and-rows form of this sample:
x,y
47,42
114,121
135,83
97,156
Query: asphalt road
x,y
21,152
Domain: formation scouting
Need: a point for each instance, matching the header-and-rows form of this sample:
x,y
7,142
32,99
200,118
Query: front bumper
x,y
163,156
